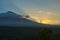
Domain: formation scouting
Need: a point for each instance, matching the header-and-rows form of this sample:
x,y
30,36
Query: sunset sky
x,y
43,11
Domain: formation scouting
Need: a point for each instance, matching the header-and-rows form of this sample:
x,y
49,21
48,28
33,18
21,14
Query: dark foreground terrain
x,y
29,33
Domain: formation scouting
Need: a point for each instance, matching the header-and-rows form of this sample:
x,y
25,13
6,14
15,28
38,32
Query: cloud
x,y
45,12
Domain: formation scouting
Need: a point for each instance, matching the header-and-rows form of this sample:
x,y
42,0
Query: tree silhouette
x,y
46,34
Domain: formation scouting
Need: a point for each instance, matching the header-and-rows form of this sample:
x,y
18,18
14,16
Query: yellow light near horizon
x,y
39,20
47,21
43,21
52,22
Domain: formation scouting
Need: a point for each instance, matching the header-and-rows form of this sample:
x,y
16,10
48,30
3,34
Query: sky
x,y
43,11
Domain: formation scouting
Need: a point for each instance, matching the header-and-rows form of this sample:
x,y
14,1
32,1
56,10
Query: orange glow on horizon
x,y
46,21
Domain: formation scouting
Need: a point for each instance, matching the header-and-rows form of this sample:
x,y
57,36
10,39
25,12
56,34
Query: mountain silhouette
x,y
12,19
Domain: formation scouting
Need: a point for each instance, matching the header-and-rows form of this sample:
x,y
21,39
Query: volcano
x,y
12,19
